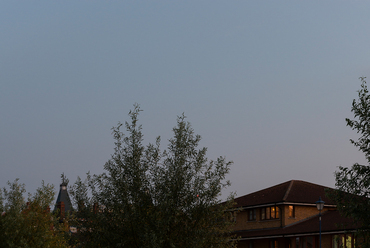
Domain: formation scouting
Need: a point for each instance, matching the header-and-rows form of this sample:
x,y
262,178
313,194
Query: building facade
x,y
286,216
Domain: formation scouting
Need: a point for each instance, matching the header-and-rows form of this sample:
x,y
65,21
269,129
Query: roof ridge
x,y
288,190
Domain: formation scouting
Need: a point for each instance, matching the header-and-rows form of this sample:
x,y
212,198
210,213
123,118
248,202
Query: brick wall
x,y
325,241
301,213
242,222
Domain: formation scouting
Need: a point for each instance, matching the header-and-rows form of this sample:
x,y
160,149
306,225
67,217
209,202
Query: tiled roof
x,y
293,191
331,221
64,197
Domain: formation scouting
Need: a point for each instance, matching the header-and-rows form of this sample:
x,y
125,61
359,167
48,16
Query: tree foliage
x,y
152,198
29,224
353,184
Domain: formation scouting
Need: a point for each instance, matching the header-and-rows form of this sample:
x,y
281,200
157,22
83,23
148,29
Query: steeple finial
x,y
65,181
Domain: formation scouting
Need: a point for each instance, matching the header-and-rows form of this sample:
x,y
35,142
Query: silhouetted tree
x,y
149,198
30,224
353,184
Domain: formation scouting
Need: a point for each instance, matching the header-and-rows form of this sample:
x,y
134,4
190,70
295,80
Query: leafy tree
x,y
353,184
29,224
150,198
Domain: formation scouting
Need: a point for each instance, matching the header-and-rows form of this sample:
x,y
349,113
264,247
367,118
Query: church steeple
x,y
63,202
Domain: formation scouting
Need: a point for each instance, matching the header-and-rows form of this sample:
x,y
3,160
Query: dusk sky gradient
x,y
268,84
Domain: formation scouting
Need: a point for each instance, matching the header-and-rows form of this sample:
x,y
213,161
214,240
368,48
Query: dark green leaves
x,y
29,223
353,184
153,198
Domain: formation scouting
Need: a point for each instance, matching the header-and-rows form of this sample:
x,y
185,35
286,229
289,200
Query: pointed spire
x,y
63,197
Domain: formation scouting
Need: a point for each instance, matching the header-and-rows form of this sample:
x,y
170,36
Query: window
x,y
274,244
348,241
307,242
297,242
232,217
270,213
252,214
336,242
291,211
345,241
304,242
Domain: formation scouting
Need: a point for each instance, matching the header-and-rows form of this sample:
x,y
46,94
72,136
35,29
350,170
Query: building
x,y
286,216
63,203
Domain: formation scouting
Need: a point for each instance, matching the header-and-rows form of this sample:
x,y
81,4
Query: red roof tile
x,y
294,191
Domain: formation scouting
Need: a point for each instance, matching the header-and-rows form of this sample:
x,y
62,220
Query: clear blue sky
x,y
268,84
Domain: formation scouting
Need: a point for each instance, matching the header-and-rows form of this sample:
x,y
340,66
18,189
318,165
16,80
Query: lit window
x,y
349,241
270,213
273,212
291,211
345,241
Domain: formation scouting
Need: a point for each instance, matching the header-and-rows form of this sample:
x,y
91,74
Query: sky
x,y
267,84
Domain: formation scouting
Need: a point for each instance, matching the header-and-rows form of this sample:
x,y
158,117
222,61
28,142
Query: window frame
x,y
252,214
274,243
304,242
270,213
341,240
263,213
291,211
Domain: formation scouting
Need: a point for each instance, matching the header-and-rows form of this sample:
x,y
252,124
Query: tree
x,y
353,184
149,198
29,224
